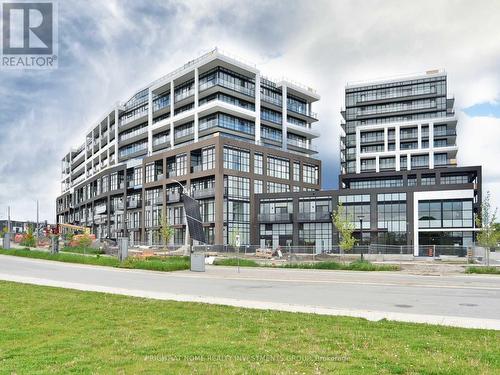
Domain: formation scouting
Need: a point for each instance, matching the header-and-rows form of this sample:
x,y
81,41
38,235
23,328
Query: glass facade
x,y
445,214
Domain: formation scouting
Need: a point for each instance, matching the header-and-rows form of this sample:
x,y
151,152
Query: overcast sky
x,y
109,49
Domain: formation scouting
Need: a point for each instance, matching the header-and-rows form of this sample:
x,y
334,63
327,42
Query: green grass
x,y
172,263
50,330
234,262
330,265
81,250
353,266
484,270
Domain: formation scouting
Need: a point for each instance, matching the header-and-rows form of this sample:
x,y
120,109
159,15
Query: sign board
x,y
237,241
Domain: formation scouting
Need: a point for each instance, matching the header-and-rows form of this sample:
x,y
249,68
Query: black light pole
x,y
361,234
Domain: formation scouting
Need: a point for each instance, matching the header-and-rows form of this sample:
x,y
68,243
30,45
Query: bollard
x,y
54,248
6,241
122,248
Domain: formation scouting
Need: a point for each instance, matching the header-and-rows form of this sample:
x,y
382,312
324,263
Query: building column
x,y
284,116
386,139
358,151
171,114
196,94
257,108
396,148
116,137
150,122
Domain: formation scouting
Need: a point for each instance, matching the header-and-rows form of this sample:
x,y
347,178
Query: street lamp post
x,y
361,234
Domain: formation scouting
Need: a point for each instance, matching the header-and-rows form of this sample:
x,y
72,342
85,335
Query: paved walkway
x,y
457,300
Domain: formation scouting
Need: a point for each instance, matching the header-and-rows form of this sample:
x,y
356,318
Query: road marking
x,y
463,322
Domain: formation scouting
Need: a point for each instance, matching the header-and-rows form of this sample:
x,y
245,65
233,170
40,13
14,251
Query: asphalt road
x,y
458,300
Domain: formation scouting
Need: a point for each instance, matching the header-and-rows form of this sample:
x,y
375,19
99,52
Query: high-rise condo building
x,y
399,181
217,127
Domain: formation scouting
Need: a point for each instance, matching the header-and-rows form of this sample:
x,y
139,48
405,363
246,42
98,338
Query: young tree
x,y
487,237
166,230
345,228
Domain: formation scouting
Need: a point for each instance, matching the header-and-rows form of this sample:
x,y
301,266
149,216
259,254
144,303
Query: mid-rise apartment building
x,y
217,127
399,180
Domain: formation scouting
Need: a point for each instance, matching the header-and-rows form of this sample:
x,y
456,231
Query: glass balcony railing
x,y
227,84
160,140
128,135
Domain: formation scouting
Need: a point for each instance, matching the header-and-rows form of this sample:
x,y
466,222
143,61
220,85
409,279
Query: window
x,y
278,167
296,171
445,214
412,180
310,174
114,181
428,180
137,176
257,187
356,206
367,164
270,134
258,166
208,158
236,159
274,187
181,165
237,187
420,161
454,179
270,115
376,183
391,215
150,172
318,235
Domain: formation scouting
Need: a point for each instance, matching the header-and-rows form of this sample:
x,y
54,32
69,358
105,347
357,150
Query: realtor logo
x,y
29,32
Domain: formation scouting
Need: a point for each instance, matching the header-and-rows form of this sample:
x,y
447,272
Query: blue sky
x,y
483,110
109,49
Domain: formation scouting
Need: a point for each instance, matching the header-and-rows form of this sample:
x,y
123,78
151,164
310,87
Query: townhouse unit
x,y
215,128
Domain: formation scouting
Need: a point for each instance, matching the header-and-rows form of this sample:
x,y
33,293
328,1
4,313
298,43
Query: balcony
x,y
196,168
173,197
134,204
204,193
314,216
216,81
445,133
277,217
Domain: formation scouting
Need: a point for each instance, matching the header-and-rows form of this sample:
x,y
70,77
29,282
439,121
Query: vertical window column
x,y
257,108
399,167
196,94
284,114
171,114
150,121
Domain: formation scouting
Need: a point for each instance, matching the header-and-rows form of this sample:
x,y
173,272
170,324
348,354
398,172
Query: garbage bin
x,y
198,262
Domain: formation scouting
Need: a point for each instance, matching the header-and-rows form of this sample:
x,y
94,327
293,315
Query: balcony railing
x,y
314,216
173,197
269,218
134,204
204,193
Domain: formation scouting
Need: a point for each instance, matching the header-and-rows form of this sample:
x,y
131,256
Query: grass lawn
x,y
51,330
353,266
483,270
81,250
170,263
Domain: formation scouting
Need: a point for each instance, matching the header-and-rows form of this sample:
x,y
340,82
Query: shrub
x,y
234,262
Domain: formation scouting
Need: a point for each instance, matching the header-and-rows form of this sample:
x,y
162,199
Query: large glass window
x,y
391,215
236,159
356,207
208,158
310,174
445,214
258,166
278,167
